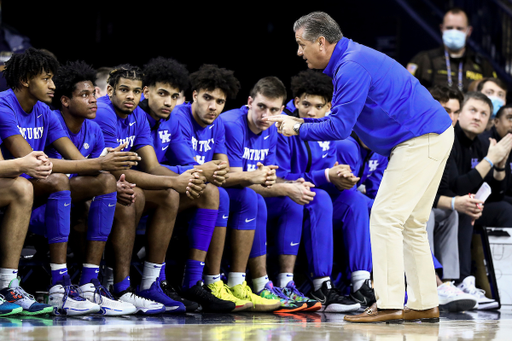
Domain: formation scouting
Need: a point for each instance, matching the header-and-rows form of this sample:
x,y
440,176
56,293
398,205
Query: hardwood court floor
x,y
474,325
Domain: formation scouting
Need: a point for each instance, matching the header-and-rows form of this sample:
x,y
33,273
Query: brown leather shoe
x,y
374,315
429,315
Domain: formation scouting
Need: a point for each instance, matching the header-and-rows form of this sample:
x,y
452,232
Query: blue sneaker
x,y
15,294
155,293
7,308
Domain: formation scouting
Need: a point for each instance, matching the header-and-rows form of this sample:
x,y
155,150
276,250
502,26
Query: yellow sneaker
x,y
243,292
221,290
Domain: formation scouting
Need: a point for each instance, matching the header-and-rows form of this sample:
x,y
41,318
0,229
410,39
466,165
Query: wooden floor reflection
x,y
255,327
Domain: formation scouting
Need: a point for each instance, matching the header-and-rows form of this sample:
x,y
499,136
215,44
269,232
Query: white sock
x,y
6,276
284,278
258,284
317,282
358,278
235,278
210,279
150,273
55,266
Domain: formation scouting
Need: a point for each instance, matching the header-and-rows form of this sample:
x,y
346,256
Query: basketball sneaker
x,y
109,306
453,299
211,304
365,295
332,300
243,292
7,308
287,305
190,306
155,293
66,300
483,302
143,305
15,294
220,290
294,294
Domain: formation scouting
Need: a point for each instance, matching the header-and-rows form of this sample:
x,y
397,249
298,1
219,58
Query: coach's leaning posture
x,y
394,115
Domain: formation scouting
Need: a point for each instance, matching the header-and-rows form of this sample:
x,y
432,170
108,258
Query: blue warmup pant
x,y
223,215
290,222
259,245
352,215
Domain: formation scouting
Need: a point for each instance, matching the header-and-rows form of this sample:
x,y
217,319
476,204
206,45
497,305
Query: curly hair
x,y
165,70
24,66
124,71
312,83
68,76
210,77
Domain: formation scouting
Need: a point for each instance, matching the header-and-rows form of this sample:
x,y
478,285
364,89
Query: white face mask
x,y
497,103
454,39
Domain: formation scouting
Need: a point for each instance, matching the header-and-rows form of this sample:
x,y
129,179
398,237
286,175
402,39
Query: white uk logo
x,y
86,145
164,136
373,164
325,145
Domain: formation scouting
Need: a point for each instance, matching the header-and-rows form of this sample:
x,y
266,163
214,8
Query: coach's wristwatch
x,y
296,128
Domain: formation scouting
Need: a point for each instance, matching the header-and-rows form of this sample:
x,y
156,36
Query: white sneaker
x,y
109,306
66,301
143,305
483,303
453,299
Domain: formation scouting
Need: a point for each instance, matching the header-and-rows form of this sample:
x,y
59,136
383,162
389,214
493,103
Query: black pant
x,y
495,214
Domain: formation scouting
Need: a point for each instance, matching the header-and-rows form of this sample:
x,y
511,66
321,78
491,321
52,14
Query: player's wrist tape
x,y
453,204
327,174
489,160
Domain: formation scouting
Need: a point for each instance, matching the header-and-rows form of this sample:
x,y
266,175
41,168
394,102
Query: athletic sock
x,y
193,273
235,278
162,276
258,284
358,278
284,278
89,271
58,272
122,286
150,273
6,276
210,279
317,282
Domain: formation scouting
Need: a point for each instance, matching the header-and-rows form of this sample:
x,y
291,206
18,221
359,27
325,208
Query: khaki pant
x,y
398,219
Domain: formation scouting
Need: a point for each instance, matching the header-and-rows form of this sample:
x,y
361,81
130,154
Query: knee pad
x,y
259,245
201,229
58,217
242,209
101,216
223,215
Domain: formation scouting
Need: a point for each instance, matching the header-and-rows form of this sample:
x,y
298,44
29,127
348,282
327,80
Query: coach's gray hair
x,y
318,24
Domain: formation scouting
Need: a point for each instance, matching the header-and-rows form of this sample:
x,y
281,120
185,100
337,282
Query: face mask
x,y
454,39
497,103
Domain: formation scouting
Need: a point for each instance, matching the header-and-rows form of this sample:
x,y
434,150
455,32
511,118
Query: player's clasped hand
x,y
117,160
216,171
341,176
301,191
264,175
125,193
37,165
191,182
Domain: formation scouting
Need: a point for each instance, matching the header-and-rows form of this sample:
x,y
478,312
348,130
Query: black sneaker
x,y
365,295
332,300
203,295
190,306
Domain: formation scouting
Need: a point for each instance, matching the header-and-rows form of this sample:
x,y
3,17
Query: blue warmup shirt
x,y
166,133
116,131
377,98
244,148
89,140
367,165
39,128
203,143
297,158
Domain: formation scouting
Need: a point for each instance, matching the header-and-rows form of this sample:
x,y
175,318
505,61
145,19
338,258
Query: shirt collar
x,y
339,49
